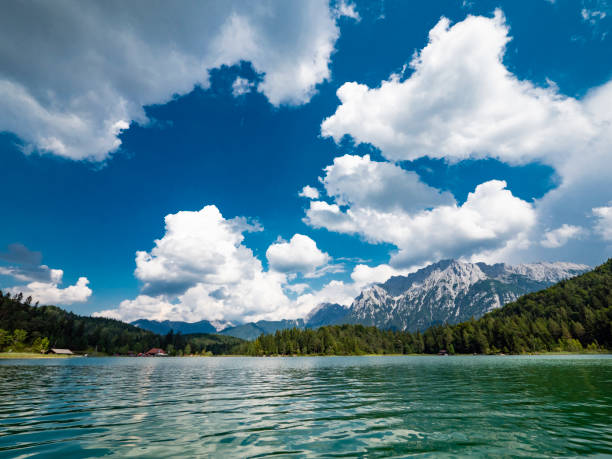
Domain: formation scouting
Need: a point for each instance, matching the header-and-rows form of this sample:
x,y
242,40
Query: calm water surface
x,y
322,406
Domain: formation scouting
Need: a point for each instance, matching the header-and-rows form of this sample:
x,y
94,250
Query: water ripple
x,y
307,407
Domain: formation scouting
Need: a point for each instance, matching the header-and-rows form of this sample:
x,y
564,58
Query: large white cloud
x,y
459,102
299,255
384,203
199,246
200,269
52,293
359,181
74,74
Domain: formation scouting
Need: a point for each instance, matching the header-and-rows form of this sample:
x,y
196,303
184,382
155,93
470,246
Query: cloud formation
x,y
347,9
19,253
383,203
51,293
360,182
309,192
197,247
241,86
200,269
33,273
559,236
483,110
42,283
460,102
603,227
299,255
75,74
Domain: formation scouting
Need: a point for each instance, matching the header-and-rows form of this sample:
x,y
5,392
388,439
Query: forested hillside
x,y
87,334
573,315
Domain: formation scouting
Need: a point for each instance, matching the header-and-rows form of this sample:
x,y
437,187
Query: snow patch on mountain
x,y
451,291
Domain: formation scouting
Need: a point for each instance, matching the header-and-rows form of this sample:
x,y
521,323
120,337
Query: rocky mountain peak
x,y
451,291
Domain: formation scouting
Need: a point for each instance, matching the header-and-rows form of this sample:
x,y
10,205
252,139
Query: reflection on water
x,y
320,406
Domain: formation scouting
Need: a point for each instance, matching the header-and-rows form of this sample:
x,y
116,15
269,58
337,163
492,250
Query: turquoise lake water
x,y
535,406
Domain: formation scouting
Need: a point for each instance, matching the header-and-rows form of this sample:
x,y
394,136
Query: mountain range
x,y
449,291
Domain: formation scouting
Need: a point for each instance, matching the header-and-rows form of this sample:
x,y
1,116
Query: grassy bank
x,y
31,355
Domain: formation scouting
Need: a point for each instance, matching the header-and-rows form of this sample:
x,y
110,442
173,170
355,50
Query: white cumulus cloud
x,y
363,275
359,181
347,9
309,192
75,74
42,283
604,222
51,293
200,269
559,236
299,255
383,203
460,102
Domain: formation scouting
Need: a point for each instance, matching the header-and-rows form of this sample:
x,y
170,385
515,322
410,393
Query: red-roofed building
x,y
156,352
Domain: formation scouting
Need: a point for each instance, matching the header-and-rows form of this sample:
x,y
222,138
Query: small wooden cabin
x,y
61,351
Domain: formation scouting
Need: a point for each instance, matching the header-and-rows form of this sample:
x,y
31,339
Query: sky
x,y
236,161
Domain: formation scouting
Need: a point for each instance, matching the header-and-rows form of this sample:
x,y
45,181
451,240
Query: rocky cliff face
x,y
452,291
326,314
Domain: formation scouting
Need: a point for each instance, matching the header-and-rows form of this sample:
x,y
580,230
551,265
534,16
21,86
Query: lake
x,y
532,406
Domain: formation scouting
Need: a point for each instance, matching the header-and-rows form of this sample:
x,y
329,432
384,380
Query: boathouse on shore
x,y
61,351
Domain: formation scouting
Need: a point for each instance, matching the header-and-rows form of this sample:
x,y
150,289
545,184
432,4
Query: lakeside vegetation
x,y
28,328
32,355
574,315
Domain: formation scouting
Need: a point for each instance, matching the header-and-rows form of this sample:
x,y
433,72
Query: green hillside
x,y
573,315
64,329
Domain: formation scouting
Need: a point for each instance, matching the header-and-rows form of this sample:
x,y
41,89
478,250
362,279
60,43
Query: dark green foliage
x,y
86,334
201,343
572,315
333,340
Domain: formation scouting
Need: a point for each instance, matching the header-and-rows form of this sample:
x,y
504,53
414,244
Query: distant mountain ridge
x,y
252,330
164,327
573,315
449,291
326,314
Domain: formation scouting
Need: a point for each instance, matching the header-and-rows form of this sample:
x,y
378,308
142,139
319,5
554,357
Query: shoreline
x,y
33,355
27,355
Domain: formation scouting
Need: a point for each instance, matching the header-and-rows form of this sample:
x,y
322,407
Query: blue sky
x,y
501,103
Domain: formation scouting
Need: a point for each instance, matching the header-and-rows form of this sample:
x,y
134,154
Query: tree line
x,y
25,327
573,315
